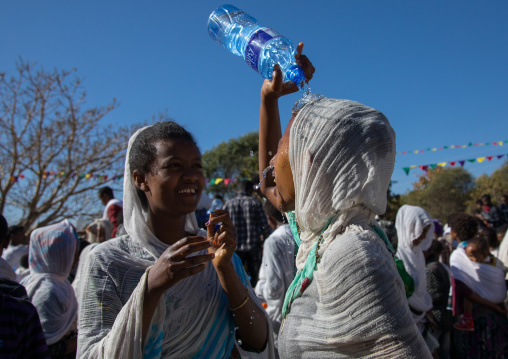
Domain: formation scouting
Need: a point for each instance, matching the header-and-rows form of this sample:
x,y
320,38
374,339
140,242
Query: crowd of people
x,y
300,268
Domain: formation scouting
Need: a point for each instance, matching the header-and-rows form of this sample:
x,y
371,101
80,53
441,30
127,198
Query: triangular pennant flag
x,y
452,163
442,164
404,152
424,168
462,163
452,146
434,149
218,180
421,151
22,176
494,143
473,160
226,181
464,146
500,143
470,143
212,180
207,180
406,169
413,166
415,151
433,166
500,156
490,157
481,159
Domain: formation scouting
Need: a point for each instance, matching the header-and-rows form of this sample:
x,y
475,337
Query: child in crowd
x,y
477,250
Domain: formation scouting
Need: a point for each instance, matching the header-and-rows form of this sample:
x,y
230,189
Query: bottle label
x,y
256,44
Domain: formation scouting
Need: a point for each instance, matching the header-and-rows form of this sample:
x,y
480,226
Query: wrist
x,y
225,268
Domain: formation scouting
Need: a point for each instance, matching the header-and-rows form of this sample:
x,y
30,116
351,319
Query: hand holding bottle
x,y
273,89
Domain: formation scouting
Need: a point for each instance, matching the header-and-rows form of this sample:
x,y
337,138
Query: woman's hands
x,y
224,240
276,88
178,263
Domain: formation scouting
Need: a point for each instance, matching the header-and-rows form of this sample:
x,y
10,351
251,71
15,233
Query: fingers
x,y
277,77
187,246
299,49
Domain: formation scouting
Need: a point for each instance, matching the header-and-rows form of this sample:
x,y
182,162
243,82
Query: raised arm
x,y
269,119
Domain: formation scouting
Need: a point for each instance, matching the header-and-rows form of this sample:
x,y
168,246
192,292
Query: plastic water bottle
x,y
261,47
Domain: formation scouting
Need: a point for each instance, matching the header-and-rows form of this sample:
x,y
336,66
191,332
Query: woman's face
x,y
176,179
285,187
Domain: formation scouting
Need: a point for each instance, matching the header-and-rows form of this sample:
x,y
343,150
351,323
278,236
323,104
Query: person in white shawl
x,y
415,230
333,167
163,290
52,254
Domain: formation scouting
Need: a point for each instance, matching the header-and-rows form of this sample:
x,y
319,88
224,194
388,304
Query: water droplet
x,y
269,153
251,317
233,314
250,323
239,341
252,153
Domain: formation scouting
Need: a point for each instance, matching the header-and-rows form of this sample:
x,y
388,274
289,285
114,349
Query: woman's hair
x,y
464,225
481,242
143,151
490,236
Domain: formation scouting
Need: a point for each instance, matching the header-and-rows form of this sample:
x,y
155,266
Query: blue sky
x,y
437,69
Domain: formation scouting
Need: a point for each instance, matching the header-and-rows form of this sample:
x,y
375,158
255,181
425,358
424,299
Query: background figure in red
x,y
113,211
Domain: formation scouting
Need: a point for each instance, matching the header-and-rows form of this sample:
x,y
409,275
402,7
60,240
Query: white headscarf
x,y
52,251
410,222
94,228
342,155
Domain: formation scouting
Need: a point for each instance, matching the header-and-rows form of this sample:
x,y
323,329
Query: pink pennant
x,y
424,168
453,163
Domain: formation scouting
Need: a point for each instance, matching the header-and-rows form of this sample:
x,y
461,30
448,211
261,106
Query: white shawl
x,y
52,252
484,279
410,222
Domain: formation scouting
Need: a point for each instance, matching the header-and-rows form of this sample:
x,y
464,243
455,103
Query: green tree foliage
x,y
392,205
441,192
496,185
232,159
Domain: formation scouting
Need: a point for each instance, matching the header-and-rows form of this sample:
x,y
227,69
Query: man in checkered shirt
x,y
251,224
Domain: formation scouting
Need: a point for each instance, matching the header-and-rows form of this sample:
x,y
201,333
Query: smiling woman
x,y
152,293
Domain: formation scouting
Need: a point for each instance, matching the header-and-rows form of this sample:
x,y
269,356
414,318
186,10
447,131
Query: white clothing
x,y
276,273
410,223
358,314
484,279
12,254
52,251
342,155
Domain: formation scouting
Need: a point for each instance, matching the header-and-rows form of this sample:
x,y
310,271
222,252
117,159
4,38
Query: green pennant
x,y
433,166
470,143
472,160
445,147
406,169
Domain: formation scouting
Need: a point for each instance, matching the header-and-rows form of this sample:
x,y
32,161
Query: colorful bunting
x,y
452,163
433,149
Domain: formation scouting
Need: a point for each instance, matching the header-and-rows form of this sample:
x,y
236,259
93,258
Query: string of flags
x,y
86,176
104,178
470,144
451,163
